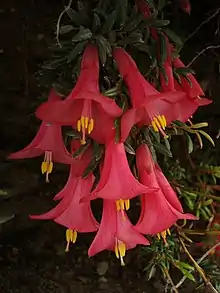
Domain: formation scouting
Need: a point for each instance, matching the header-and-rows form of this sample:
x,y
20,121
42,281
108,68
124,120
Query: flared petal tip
x,y
190,217
39,217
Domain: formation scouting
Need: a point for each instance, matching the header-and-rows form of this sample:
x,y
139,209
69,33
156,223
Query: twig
x,y
170,280
201,52
59,20
198,262
201,25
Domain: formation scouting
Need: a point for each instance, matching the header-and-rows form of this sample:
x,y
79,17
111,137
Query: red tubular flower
x,y
193,90
48,141
185,5
116,233
160,209
116,180
86,109
149,106
143,8
70,213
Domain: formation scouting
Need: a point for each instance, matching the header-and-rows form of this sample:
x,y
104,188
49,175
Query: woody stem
x,y
198,262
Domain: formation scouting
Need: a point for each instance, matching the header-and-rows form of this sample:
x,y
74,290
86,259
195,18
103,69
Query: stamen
x,y
159,124
91,126
164,235
122,204
71,236
47,164
79,125
120,250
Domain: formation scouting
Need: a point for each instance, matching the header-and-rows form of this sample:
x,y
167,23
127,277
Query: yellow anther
x,y
71,236
127,204
83,141
157,123
164,235
154,126
164,120
118,207
116,251
91,125
49,167
86,122
79,125
82,121
122,204
160,119
43,167
120,250
46,167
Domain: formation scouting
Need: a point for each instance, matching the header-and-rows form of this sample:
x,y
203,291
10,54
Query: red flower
x,y
116,180
194,90
160,209
48,141
185,5
86,109
143,8
75,216
149,106
115,233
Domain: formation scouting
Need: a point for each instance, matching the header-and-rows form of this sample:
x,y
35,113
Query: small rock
x,y
84,280
103,280
102,268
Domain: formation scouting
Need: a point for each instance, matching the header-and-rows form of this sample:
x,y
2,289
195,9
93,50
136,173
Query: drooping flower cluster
x,y
93,115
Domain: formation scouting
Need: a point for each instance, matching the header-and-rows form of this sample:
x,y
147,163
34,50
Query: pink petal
x,y
117,181
128,120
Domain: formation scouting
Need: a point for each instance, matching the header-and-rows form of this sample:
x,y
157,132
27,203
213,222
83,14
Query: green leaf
x,y
151,272
121,12
109,23
160,23
173,37
207,136
74,16
184,265
66,29
188,274
204,214
162,149
133,38
72,133
104,49
82,35
199,125
132,25
189,143
189,202
81,150
129,149
184,71
163,48
96,22
161,4
77,50
91,167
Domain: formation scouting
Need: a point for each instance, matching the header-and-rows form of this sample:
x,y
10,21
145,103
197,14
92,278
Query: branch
x,y
201,52
59,20
201,25
198,262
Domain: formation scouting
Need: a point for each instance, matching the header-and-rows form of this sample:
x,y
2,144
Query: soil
x,y
32,256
